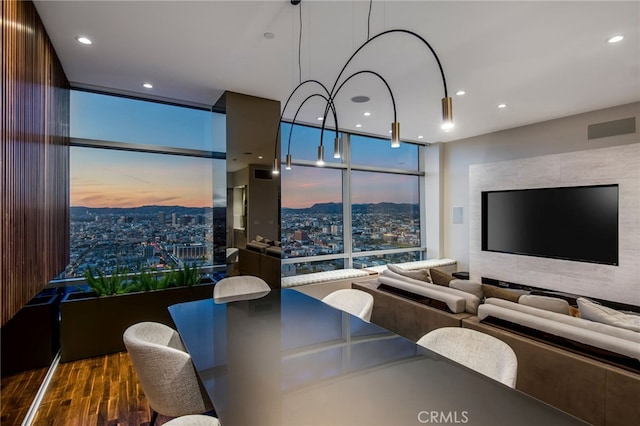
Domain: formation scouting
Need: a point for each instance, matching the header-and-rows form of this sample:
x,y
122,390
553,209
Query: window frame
x,y
145,149
347,167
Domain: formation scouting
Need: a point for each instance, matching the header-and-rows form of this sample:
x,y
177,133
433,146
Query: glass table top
x,y
288,359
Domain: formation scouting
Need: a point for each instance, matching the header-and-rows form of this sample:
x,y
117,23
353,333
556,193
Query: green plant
x,y
187,276
106,285
148,281
168,280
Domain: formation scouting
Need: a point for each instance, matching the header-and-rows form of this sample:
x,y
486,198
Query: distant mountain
x,y
336,208
145,210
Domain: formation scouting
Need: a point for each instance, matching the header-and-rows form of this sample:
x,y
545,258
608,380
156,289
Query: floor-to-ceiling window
x,y
360,210
148,185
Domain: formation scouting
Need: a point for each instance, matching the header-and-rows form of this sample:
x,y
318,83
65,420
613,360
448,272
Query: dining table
x,y
285,358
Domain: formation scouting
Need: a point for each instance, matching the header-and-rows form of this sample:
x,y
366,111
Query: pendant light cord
x,y
300,46
369,19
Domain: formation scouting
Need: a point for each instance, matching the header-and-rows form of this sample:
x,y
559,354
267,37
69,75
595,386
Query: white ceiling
x,y
543,59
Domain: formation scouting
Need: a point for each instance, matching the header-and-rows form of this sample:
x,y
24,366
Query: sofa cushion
x,y
257,246
501,293
455,303
601,336
440,277
552,304
320,277
468,286
593,311
568,319
471,301
416,274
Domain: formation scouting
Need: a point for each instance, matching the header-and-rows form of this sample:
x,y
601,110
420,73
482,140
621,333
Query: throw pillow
x,y
417,274
440,277
259,238
552,304
595,312
468,286
500,293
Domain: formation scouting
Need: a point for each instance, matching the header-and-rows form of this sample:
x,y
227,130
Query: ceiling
x,y
544,60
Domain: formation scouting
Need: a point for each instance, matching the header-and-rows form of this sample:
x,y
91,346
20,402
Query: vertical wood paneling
x,y
34,239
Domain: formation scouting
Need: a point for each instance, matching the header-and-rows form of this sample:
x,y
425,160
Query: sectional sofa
x,y
587,368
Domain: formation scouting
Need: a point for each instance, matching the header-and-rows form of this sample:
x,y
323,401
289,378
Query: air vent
x,y
262,174
624,126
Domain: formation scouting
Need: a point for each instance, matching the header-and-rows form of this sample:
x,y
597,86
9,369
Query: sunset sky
x,y
111,178
108,178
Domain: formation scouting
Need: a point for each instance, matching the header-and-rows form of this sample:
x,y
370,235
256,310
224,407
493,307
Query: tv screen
x,y
573,223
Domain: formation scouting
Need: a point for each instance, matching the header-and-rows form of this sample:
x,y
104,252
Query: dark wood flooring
x,y
16,394
96,391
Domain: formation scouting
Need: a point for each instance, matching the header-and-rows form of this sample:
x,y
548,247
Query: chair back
x,y
165,370
241,287
356,302
478,351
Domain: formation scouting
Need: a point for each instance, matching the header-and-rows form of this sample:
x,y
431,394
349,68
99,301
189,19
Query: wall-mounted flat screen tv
x,y
577,223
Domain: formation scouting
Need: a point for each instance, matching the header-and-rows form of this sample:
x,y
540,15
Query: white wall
x,y
614,165
568,134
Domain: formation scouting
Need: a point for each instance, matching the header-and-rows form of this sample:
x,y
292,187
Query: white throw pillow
x,y
552,304
595,312
468,286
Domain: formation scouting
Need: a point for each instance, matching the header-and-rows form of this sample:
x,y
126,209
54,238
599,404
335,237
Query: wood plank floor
x,y
97,391
16,394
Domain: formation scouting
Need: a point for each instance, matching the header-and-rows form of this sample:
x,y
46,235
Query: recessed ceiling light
x,y
366,114
390,131
147,85
260,157
615,39
358,125
320,118
460,92
269,35
84,40
360,99
502,106
420,137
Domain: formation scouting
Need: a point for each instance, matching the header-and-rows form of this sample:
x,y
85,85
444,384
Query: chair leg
x,y
154,417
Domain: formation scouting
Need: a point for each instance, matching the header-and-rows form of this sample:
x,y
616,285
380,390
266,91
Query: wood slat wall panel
x,y
34,238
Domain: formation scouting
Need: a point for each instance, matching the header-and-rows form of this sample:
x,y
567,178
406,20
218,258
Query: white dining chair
x,y
165,370
478,351
356,302
193,420
240,287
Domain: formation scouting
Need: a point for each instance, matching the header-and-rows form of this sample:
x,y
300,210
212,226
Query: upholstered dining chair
x,y
165,370
193,420
356,302
478,351
241,287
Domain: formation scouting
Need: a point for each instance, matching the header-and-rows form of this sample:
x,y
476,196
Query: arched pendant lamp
x,y
329,96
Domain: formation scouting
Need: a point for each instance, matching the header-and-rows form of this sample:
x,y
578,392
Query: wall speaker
x,y
457,215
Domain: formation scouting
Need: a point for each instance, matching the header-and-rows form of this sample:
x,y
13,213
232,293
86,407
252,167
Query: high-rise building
x,y
300,235
190,251
148,251
161,218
